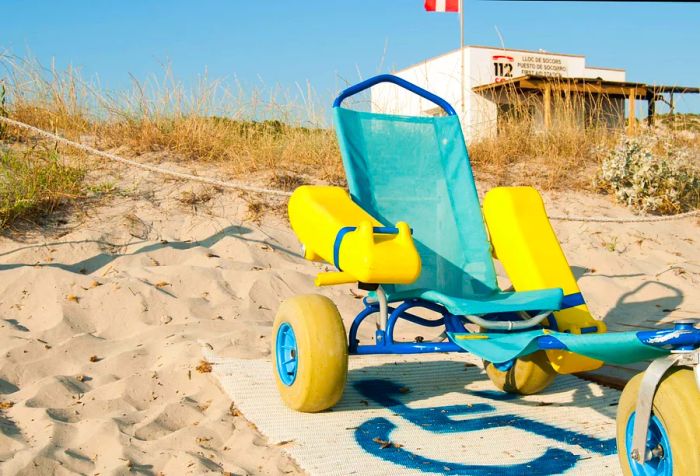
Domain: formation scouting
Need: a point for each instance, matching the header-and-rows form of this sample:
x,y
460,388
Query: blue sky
x,y
330,43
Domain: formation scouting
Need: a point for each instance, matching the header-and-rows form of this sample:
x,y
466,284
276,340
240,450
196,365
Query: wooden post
x,y
547,103
651,107
673,109
631,119
671,104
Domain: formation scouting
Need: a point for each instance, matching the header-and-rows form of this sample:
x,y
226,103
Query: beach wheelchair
x,y
413,233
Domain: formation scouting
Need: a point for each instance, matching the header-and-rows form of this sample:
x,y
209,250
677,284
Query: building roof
x,y
605,68
539,52
586,85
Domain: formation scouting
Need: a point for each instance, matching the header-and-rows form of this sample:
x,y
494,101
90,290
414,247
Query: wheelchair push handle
x,y
389,78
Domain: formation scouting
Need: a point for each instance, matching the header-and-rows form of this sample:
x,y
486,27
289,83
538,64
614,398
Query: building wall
x,y
483,65
440,75
605,73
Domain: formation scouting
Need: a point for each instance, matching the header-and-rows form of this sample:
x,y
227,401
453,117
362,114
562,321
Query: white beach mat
x,y
434,414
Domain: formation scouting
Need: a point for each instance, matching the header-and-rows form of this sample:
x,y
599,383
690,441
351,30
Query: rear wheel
x,y
525,375
310,353
673,438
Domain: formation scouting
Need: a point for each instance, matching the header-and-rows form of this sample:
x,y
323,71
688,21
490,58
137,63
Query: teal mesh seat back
x,y
416,169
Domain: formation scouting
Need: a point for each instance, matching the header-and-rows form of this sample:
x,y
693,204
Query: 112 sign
x,y
503,67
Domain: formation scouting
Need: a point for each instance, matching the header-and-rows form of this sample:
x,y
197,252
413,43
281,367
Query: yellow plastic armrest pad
x,y
318,213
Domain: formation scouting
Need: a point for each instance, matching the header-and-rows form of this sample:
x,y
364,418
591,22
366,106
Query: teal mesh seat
x,y
416,169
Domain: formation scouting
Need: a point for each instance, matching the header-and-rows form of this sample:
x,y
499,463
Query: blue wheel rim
x,y
657,440
286,354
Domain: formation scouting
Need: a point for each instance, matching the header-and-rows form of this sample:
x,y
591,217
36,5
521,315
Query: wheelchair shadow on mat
x,y
411,382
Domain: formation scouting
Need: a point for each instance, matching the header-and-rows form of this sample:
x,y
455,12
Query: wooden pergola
x,y
547,85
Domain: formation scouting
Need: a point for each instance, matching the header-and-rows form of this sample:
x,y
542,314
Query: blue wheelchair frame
x,y
386,344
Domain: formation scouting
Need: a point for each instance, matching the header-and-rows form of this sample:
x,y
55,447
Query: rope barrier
x,y
644,219
270,191
133,163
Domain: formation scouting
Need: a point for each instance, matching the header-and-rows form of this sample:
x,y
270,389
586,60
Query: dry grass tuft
x,y
287,182
194,198
259,205
256,208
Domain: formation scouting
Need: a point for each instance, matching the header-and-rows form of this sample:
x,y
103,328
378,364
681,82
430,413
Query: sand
x,y
104,315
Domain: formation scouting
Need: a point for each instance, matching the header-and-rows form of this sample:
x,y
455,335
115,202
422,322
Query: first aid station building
x,y
506,84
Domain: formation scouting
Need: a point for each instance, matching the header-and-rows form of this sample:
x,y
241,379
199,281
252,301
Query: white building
x,y
499,83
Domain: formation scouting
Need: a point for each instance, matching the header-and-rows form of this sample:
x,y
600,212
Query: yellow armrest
x,y
333,227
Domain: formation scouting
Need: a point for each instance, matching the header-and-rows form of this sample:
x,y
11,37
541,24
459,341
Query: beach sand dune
x,y
103,321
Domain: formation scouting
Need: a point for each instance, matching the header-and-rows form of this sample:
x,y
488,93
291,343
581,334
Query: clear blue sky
x,y
332,42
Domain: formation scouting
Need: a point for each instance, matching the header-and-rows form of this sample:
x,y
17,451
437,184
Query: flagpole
x,y
461,53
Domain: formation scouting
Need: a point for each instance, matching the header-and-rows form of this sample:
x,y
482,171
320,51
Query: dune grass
x,y
248,130
245,130
34,184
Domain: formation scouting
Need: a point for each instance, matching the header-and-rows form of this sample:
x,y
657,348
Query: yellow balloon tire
x,y
677,406
321,353
528,375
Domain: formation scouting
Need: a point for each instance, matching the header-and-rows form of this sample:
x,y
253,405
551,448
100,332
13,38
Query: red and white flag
x,y
442,5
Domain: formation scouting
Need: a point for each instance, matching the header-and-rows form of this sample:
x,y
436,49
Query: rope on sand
x,y
270,191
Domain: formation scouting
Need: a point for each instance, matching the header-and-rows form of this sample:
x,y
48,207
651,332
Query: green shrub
x,y
648,173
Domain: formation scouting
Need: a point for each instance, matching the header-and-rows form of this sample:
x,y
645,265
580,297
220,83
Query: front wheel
x,y
310,353
673,438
